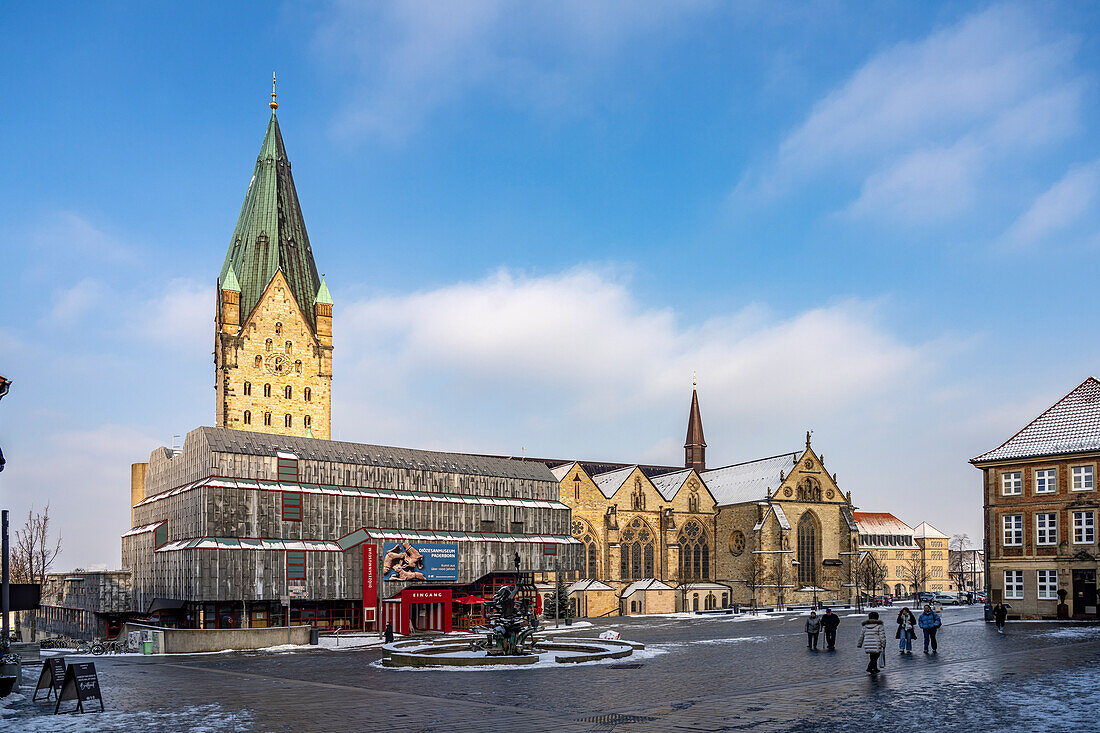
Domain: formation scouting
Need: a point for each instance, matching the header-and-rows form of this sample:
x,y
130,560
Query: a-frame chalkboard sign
x,y
81,684
53,674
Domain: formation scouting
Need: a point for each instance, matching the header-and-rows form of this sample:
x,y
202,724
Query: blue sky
x,y
876,223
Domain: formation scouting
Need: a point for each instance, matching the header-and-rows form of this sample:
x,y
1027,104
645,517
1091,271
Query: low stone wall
x,y
192,641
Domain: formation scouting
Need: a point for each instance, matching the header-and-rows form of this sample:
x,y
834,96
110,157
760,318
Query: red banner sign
x,y
425,596
370,575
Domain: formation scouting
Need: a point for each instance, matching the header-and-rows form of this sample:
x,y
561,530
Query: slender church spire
x,y
695,447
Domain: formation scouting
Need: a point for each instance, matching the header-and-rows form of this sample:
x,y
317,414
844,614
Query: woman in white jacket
x,y
872,640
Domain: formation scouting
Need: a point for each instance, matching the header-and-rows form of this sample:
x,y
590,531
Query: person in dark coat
x,y
1000,615
929,622
389,632
907,630
829,622
813,628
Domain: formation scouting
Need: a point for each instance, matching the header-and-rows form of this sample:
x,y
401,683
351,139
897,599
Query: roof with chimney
x,y
1070,425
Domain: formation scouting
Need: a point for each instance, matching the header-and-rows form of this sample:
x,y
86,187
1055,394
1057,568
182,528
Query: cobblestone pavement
x,y
697,674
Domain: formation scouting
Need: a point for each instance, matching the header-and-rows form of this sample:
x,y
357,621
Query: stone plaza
x,y
698,673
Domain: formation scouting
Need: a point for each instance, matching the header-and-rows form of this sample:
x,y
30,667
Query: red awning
x,y
469,600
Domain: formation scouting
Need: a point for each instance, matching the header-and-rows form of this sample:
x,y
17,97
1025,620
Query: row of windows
x,y
288,347
1046,529
288,392
1046,582
288,420
886,540
1046,481
279,368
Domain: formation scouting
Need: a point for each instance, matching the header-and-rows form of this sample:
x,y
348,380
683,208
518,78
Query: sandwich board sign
x,y
53,673
81,684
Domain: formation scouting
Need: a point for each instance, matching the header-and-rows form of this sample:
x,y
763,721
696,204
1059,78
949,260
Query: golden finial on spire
x,y
693,378
274,105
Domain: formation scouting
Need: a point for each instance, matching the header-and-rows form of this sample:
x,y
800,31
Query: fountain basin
x,y
451,652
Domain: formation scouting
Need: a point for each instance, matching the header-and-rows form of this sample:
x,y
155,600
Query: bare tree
x,y
779,577
957,567
915,573
872,574
754,576
34,553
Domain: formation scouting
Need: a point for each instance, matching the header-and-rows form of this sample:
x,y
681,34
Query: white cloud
x,y
65,234
70,304
181,316
1061,206
922,127
411,58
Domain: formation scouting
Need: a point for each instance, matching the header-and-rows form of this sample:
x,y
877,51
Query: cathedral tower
x,y
695,448
273,341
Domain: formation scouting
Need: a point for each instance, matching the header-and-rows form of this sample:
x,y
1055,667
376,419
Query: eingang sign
x,y
419,561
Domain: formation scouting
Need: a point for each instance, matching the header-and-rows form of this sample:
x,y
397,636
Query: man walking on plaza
x,y
872,640
829,622
1000,615
813,628
929,621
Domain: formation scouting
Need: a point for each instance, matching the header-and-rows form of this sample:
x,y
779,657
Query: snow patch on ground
x,y
196,719
1074,632
710,642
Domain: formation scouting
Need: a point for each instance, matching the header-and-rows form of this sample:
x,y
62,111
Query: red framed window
x,y
292,506
549,549
160,536
295,565
288,469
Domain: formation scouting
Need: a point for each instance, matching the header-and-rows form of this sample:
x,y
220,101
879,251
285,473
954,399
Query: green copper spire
x,y
271,234
230,281
323,295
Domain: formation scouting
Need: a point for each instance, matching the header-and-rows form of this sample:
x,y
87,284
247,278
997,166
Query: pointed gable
x,y
271,233
1071,425
610,482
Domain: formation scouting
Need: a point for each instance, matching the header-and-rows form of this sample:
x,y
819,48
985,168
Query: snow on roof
x,y
751,481
610,482
881,523
645,585
561,471
669,483
781,516
587,584
1070,425
926,530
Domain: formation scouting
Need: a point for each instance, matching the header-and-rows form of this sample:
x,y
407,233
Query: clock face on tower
x,y
278,364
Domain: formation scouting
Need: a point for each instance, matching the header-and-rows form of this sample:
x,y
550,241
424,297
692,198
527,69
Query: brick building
x,y
1039,491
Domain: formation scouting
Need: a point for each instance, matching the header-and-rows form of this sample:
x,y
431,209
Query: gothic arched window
x,y
287,420
307,421
807,549
298,366
694,552
269,344
267,418
247,417
636,551
307,394
247,389
288,392
259,361
278,327
267,390
289,347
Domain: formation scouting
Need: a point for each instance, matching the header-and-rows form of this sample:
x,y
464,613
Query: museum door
x,y
1084,592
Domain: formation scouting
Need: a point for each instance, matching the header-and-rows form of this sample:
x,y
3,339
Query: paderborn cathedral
x,y
263,504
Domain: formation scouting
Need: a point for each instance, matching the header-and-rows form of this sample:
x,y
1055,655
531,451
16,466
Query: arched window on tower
x,y
247,389
247,417
287,421
259,361
269,344
307,421
267,390
289,347
298,366
288,392
694,552
267,418
278,327
307,394
807,549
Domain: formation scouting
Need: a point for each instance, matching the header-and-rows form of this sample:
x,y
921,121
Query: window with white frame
x,y
1012,483
1045,481
1013,535
1084,528
1014,584
1046,528
1083,478
1048,584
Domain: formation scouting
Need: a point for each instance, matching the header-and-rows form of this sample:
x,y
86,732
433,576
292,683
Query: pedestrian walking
x,y
929,621
907,631
813,628
389,632
872,640
829,622
1000,615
